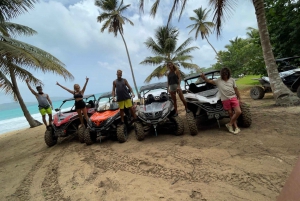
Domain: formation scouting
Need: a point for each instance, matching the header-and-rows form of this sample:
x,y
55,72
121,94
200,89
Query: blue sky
x,y
69,30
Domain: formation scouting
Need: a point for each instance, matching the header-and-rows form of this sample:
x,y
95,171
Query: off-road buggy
x,y
289,73
106,121
204,101
66,122
156,109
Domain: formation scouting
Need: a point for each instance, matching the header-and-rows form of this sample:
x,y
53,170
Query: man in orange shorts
x,y
120,88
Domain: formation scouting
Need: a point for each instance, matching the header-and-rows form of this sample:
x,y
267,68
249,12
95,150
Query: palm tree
x,y
201,26
165,50
17,57
114,21
282,94
174,7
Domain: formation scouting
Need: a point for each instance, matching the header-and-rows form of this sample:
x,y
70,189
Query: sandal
x,y
175,115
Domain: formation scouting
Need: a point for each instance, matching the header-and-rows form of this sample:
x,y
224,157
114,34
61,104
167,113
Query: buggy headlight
x,y
192,99
108,120
142,115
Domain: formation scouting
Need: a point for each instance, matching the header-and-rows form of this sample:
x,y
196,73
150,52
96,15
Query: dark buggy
x,y
289,72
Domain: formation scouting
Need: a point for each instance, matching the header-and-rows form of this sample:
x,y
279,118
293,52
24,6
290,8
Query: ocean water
x,y
13,119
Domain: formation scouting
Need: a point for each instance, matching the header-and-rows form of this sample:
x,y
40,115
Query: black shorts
x,y
79,104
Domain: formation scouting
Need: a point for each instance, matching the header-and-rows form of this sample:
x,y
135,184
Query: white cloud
x,y
69,30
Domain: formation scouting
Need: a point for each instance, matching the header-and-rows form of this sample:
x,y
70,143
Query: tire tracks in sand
x,y
49,182
259,183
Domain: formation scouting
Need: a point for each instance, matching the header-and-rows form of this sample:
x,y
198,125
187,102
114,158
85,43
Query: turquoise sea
x,y
13,119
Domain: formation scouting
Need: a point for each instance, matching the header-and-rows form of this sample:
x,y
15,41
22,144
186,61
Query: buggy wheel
x,y
139,131
50,139
87,137
257,92
245,118
73,128
298,92
191,123
81,134
179,125
122,134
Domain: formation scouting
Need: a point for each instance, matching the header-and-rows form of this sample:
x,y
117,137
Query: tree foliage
x,y
243,56
283,24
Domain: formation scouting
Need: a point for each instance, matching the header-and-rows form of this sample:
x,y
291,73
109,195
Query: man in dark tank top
x,y
120,89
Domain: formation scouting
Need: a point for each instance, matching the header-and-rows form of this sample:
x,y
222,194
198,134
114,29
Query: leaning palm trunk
x,y
213,49
32,122
137,91
282,94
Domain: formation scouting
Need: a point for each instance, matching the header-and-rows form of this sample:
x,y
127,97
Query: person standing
x,y
230,97
80,105
45,104
174,80
120,88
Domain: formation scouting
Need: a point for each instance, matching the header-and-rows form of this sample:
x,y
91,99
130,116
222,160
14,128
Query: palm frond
x,y
141,6
30,56
127,20
222,9
154,8
123,8
22,74
159,72
6,85
153,46
105,25
182,58
184,45
13,29
13,8
189,65
182,8
153,60
103,16
175,4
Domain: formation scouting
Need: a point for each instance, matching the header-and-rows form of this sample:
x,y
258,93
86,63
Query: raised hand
x,y
202,76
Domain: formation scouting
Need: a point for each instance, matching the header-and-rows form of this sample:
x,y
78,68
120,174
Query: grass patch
x,y
248,80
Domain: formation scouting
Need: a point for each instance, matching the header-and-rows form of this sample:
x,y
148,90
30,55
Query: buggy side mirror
x,y
56,109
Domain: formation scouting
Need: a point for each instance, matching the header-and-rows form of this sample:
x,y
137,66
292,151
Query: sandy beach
x,y
211,166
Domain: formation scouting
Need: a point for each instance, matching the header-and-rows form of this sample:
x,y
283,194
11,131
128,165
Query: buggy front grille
x,y
153,115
